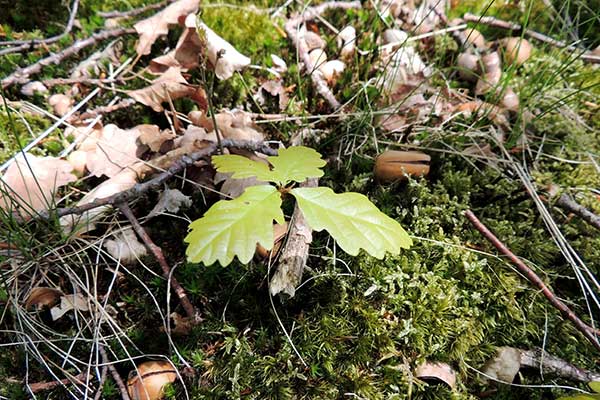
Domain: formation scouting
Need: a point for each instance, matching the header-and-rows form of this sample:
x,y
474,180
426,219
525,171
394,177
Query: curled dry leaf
x,y
61,103
78,160
504,366
169,86
275,89
346,41
171,200
279,232
475,38
187,51
153,137
401,66
492,72
235,125
480,108
224,58
394,165
69,302
30,182
510,100
151,28
312,40
318,58
279,64
125,246
40,297
195,136
147,383
515,50
468,66
437,371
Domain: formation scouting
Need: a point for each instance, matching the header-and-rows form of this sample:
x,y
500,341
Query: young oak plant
x,y
232,228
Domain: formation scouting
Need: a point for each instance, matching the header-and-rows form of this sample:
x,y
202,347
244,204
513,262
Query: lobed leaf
x,y
242,167
352,220
296,164
233,227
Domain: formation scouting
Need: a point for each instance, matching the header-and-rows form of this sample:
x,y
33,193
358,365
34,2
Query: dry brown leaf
x,y
171,85
40,297
492,72
153,137
480,108
195,136
275,89
69,302
125,246
30,182
224,58
438,371
170,200
187,51
115,150
235,125
151,28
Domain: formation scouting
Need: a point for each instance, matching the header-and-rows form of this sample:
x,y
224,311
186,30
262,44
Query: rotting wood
x,y
295,253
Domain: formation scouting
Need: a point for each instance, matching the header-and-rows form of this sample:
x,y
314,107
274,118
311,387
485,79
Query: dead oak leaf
x,y
170,86
115,150
153,137
224,58
151,28
30,182
187,51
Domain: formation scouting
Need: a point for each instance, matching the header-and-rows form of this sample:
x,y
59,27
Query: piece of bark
x,y
549,364
295,253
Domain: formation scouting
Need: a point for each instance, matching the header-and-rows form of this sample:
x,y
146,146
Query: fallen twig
x,y
114,373
498,23
83,80
552,365
101,110
141,188
567,203
192,313
21,45
135,11
291,28
21,76
587,331
293,257
42,386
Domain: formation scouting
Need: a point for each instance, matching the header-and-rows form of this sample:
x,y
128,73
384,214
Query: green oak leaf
x,y
352,220
233,227
296,164
242,167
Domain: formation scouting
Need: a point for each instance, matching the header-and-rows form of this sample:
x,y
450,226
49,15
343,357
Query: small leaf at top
x,y
242,167
233,227
296,164
352,220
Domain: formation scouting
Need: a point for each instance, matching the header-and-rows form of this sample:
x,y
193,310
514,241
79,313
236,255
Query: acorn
x,y
394,165
515,50
148,381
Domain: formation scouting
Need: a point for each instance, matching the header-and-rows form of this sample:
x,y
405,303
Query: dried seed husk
x,y
394,165
279,232
148,384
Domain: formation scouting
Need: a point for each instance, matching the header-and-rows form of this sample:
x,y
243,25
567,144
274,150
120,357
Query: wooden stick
x,y
295,253
291,27
570,205
135,11
21,76
540,359
587,331
114,373
41,386
192,313
498,23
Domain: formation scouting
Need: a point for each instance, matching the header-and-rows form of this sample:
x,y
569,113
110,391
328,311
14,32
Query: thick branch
x,y
190,310
498,23
21,45
291,28
21,76
295,253
587,331
570,205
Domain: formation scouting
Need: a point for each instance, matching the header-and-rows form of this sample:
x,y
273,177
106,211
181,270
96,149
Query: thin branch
x,y
291,28
42,386
141,188
587,331
567,203
135,11
21,45
83,80
21,76
498,23
549,364
114,373
101,110
192,313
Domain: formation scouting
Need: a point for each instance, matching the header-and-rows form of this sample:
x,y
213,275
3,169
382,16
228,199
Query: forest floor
x,y
450,317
